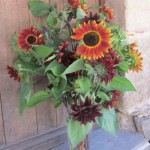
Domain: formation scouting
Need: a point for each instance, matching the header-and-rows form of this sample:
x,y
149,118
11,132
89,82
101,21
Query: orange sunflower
x,y
109,12
136,58
76,4
29,37
96,39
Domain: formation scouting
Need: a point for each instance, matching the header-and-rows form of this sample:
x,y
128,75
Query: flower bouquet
x,y
83,55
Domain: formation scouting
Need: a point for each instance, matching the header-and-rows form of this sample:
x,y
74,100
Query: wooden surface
x,y
40,142
15,16
2,138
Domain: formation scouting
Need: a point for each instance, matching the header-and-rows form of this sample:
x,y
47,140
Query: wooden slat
x,y
14,16
41,142
2,136
46,113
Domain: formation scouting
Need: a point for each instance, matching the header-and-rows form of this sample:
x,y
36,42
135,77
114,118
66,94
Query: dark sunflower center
x,y
91,39
85,111
31,39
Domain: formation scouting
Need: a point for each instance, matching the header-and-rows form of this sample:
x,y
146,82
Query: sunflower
x,y
29,37
95,40
76,4
14,73
115,97
136,60
105,70
113,56
109,12
91,18
66,57
86,111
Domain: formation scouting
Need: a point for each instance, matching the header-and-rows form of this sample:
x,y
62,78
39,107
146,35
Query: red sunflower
x,y
109,12
105,70
14,73
115,97
29,37
113,56
86,112
96,40
76,4
66,57
91,18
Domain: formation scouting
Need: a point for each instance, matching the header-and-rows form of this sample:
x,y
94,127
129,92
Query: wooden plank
x,y
14,16
42,141
46,113
2,135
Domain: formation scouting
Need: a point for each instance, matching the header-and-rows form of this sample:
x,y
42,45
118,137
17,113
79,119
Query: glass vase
x,y
84,145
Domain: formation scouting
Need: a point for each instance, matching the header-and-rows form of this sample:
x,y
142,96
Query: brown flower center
x,y
85,111
91,39
31,39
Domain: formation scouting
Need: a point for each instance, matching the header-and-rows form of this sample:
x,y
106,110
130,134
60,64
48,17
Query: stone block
x,y
126,122
137,15
143,125
101,140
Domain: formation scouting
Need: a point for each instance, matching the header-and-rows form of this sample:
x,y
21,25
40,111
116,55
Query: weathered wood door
x,y
14,16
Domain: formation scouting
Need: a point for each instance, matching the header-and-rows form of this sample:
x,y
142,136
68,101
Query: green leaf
x,y
83,1
122,84
122,66
78,132
108,121
27,68
42,51
80,13
58,103
56,68
51,78
39,8
38,97
75,66
89,68
25,94
82,85
50,58
59,88
103,96
52,19
95,7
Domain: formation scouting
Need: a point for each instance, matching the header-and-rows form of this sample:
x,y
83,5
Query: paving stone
x,y
101,140
143,125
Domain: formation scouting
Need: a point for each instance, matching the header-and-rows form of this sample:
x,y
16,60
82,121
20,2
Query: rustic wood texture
x,y
46,113
44,117
14,16
41,142
2,135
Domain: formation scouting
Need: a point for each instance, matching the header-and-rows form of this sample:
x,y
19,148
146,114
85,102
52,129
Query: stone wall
x,y
134,108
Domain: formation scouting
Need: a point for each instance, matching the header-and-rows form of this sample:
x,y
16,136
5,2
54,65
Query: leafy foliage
x,y
78,132
108,121
66,50
39,8
38,98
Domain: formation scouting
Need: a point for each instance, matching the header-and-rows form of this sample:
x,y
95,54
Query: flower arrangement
x,y
83,56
